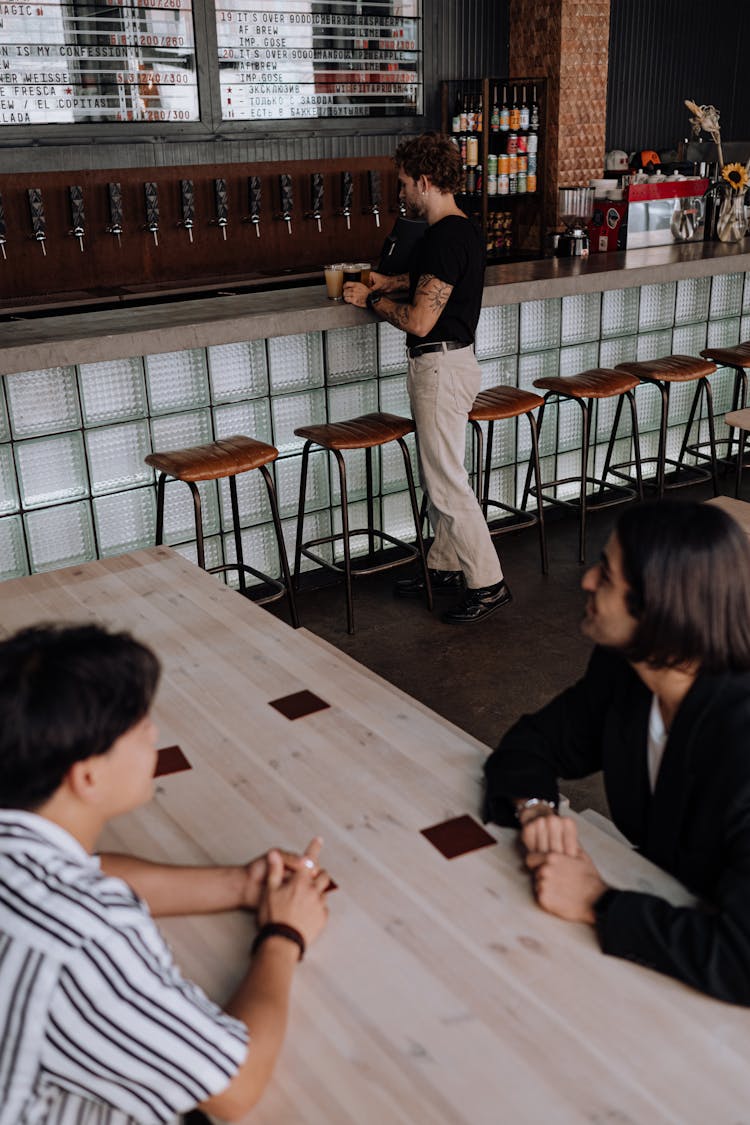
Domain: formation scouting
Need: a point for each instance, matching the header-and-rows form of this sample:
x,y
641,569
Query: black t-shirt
x,y
452,250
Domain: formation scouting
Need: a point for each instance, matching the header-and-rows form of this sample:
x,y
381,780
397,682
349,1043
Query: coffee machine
x,y
575,207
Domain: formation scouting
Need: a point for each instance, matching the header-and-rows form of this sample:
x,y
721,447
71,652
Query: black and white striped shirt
x,y
97,1026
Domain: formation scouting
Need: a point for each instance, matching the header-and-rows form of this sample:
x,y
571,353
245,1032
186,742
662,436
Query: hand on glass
x,y
355,293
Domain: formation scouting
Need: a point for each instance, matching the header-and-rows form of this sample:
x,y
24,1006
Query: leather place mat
x,y
170,760
299,704
457,836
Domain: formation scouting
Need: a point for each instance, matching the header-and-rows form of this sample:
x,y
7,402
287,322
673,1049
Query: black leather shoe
x,y
479,604
442,582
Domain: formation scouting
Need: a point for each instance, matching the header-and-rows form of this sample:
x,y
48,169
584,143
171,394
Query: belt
x,y
438,346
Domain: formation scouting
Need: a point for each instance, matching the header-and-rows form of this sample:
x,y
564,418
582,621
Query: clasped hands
x,y
566,882
286,887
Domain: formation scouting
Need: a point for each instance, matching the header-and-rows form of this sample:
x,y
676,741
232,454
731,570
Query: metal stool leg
x,y
585,405
198,523
347,548
237,533
741,440
301,514
417,519
370,503
477,450
689,426
281,545
611,442
538,482
662,452
636,435
527,483
160,509
488,466
711,433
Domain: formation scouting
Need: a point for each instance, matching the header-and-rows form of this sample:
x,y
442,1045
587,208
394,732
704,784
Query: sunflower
x,y
735,175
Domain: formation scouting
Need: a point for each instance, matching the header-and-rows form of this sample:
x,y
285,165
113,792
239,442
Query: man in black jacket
x,y
664,710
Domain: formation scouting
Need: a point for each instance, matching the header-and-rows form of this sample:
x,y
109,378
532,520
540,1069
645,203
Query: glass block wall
x,y
74,486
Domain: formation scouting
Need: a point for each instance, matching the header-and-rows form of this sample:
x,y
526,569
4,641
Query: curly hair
x,y
434,155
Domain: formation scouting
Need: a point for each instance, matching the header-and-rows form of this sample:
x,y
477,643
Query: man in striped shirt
x,y
97,1026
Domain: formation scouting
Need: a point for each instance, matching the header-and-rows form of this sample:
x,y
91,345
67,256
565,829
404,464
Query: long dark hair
x,y
687,566
66,693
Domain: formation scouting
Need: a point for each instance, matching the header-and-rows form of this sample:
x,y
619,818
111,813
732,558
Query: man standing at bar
x,y
444,285
664,711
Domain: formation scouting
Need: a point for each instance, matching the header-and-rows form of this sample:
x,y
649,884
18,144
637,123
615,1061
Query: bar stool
x,y
215,461
661,373
366,432
738,358
739,420
597,383
494,405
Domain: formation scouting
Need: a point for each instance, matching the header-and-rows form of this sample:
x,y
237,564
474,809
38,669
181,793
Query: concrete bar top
x,y
93,336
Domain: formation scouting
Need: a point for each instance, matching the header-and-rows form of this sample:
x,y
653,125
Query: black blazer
x,y
696,825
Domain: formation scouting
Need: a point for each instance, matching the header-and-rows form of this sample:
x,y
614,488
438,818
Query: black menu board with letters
x,y
287,59
111,60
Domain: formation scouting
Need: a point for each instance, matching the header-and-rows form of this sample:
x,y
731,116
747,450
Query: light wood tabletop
x,y
439,994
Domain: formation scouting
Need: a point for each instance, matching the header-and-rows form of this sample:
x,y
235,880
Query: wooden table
x,y
439,994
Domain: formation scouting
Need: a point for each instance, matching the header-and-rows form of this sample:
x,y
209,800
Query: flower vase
x,y
731,224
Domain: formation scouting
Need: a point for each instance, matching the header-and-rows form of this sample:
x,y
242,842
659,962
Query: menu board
x,y
114,60
301,58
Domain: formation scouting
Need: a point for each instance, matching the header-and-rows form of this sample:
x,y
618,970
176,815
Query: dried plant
x,y
705,119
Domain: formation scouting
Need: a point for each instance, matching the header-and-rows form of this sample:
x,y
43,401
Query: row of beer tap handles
x,y
187,201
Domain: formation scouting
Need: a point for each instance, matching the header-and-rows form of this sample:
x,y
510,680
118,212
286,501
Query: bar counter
x,y
148,329
85,396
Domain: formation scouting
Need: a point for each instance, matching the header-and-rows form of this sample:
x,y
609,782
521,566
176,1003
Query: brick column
x,y
567,42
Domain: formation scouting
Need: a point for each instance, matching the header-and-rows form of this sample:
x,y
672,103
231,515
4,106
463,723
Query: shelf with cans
x,y
498,125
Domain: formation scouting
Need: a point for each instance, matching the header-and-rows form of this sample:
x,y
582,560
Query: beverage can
x,y
491,164
531,182
532,161
491,183
471,180
512,142
523,162
532,142
503,184
503,164
472,150
522,142
512,183
513,162
521,186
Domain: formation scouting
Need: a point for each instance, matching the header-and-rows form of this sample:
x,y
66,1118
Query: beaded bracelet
x,y
278,929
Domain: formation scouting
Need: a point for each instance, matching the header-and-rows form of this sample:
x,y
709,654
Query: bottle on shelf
x,y
479,119
456,122
471,118
495,115
464,116
524,114
514,119
504,113
534,113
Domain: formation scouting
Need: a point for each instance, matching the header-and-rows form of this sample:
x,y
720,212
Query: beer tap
x,y
373,184
287,199
38,221
115,211
187,196
3,230
222,206
151,191
254,196
316,196
77,215
347,191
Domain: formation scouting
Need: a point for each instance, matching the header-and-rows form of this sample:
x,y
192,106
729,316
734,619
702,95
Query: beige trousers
x,y
442,387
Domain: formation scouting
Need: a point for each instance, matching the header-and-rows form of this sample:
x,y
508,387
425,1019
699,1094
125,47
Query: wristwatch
x,y
535,803
373,297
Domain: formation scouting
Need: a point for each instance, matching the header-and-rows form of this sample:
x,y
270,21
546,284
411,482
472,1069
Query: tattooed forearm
x,y
434,291
397,315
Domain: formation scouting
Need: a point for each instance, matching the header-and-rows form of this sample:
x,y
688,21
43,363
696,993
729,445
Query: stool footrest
x,y
279,587
693,473
357,569
524,518
594,501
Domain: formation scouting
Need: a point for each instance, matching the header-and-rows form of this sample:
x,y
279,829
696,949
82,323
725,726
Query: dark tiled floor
x,y
483,676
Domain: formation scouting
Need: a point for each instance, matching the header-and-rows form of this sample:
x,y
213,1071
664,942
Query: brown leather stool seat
x,y
366,432
217,460
661,373
497,404
597,383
